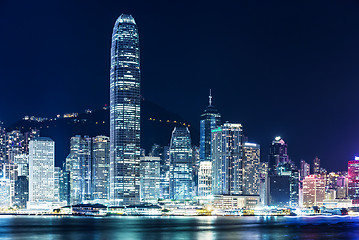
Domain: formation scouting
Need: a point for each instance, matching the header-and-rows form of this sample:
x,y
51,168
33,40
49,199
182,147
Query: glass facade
x,y
227,154
78,163
41,170
125,112
205,178
180,164
100,167
210,119
277,156
150,179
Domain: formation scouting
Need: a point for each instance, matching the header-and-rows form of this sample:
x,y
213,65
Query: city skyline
x,y
157,119
224,174
270,61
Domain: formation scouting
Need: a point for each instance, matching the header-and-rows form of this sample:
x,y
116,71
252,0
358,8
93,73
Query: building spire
x,y
210,97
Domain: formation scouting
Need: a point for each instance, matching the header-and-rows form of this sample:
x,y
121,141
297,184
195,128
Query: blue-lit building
x,y
210,119
125,113
181,164
150,179
78,164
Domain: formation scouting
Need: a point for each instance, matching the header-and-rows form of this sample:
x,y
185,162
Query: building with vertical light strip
x,y
125,113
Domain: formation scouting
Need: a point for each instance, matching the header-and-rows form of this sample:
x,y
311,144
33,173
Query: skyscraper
x,y
210,119
251,164
180,164
313,190
277,155
227,155
125,112
41,170
78,163
283,176
150,178
100,167
205,178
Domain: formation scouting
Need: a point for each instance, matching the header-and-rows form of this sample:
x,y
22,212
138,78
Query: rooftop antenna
x,y
210,97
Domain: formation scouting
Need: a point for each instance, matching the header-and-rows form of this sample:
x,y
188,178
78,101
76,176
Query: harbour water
x,y
207,228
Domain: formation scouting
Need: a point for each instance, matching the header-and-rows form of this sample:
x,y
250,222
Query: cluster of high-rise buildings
x,y
226,169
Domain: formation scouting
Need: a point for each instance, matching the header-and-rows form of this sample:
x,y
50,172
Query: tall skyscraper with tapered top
x,y
125,113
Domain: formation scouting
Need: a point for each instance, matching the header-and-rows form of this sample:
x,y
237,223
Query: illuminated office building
x,y
125,113
278,156
205,178
165,173
57,180
4,191
78,163
313,190
100,167
150,179
251,164
41,170
210,119
180,164
21,191
227,164
15,144
195,170
22,163
283,176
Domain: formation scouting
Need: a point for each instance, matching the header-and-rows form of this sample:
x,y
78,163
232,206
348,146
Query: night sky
x,y
287,68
